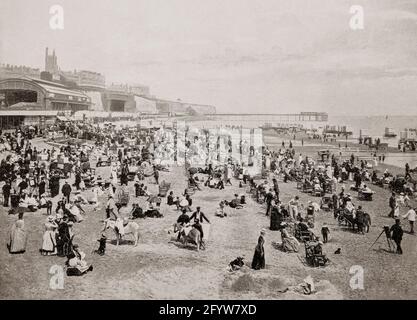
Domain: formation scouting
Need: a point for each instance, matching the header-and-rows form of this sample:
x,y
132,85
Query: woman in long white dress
x,y
289,242
94,198
17,236
49,237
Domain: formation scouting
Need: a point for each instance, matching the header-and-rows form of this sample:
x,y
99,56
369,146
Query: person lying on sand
x,y
235,203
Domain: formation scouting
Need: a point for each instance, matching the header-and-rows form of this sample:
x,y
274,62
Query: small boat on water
x,y
389,133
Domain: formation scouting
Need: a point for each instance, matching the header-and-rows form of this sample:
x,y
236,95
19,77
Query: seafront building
x,y
29,96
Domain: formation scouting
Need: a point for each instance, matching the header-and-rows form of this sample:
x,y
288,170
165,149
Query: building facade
x,y
44,94
10,71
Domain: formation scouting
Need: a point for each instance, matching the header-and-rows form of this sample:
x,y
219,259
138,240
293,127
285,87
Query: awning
x,y
63,119
29,113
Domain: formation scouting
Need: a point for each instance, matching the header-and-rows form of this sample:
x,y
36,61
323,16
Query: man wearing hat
x,y
268,198
66,191
42,186
6,193
199,217
397,235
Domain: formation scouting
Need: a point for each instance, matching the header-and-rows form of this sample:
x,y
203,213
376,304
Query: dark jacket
x,y
360,216
392,202
6,189
202,217
66,189
397,232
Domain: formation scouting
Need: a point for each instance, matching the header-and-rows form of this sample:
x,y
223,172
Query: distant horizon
x,y
238,55
329,114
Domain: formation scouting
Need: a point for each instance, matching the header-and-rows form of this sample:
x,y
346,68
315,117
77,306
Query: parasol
x,y
184,202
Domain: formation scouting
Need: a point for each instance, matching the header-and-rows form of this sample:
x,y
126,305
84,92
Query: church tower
x,y
51,62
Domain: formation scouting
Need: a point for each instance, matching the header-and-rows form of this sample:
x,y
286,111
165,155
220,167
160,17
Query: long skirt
x,y
276,220
290,244
49,242
258,261
17,240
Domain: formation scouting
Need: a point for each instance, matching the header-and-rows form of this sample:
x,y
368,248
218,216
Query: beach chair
x,y
314,254
365,196
317,193
326,203
303,236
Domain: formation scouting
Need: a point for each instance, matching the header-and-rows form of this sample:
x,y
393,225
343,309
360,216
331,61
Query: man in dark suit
x,y
199,217
397,235
268,198
42,186
6,193
66,191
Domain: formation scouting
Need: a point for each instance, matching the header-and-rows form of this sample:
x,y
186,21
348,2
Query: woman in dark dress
x,y
64,238
258,261
276,217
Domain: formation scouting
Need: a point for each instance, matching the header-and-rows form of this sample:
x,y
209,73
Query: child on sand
x,y
325,232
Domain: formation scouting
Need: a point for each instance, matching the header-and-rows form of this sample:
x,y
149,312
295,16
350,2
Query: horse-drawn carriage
x,y
399,184
345,217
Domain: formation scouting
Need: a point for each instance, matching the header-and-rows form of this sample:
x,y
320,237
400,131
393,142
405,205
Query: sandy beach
x,y
160,268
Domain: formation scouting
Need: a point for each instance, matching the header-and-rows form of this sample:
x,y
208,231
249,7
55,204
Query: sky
x,y
269,56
